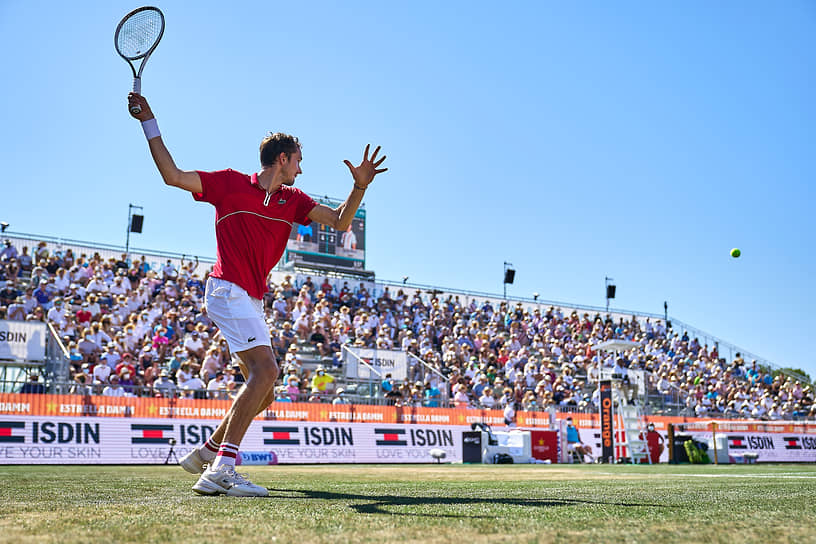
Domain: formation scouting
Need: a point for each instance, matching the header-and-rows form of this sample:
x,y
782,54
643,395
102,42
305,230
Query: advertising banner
x,y
768,447
607,423
103,440
22,340
383,361
52,429
545,445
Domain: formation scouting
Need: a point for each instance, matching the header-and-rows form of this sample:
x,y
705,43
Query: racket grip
x,y
137,88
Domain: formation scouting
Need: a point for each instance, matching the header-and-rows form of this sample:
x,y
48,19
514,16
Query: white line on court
x,y
774,476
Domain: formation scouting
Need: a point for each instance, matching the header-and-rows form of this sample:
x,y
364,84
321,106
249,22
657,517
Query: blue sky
x,y
577,140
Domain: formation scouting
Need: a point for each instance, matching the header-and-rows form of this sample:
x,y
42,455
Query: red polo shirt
x,y
251,227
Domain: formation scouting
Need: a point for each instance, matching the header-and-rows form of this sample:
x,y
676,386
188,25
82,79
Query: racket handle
x,y
137,88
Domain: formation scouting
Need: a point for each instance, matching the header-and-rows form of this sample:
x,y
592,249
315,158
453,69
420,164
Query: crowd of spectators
x,y
135,330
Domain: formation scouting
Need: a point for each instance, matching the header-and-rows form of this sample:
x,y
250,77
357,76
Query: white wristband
x,y
151,129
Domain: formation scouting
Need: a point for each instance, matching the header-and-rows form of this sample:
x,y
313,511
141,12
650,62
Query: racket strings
x,y
139,33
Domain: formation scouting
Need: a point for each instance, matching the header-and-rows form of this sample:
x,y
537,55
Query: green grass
x,y
466,504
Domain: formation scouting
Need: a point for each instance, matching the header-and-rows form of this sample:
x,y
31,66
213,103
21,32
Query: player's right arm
x,y
172,174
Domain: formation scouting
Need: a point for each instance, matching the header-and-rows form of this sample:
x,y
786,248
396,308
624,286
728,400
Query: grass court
x,y
415,503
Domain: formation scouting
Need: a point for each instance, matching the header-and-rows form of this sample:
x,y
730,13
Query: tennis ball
x,y
736,252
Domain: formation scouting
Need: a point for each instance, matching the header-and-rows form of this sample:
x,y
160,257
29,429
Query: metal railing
x,y
419,370
106,251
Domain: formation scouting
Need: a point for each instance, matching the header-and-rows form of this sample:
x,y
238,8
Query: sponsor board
x,y
769,447
383,361
607,421
24,340
96,429
105,440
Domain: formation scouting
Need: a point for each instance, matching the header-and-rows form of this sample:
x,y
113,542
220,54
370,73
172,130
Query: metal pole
x,y
671,442
127,231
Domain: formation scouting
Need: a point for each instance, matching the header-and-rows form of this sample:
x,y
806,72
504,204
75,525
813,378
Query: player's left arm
x,y
340,218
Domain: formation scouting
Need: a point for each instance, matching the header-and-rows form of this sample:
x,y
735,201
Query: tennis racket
x,y
137,35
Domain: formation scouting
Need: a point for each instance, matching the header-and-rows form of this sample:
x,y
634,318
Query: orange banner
x,y
145,407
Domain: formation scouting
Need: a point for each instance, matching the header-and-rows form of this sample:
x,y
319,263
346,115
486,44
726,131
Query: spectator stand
x,y
489,352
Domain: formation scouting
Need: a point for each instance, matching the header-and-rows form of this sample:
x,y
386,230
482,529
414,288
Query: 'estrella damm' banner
x,y
65,429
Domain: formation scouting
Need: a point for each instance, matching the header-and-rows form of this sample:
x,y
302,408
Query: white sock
x,y
227,454
208,450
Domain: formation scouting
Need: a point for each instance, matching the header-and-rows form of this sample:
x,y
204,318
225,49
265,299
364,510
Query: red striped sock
x,y
227,454
209,450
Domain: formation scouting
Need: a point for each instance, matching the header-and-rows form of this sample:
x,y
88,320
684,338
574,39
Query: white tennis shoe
x,y
193,462
225,481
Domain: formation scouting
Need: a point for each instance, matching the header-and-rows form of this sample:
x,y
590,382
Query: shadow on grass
x,y
377,504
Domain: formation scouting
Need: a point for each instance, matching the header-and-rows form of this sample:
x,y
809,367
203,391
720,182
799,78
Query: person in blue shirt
x,y
574,442
432,396
42,296
387,384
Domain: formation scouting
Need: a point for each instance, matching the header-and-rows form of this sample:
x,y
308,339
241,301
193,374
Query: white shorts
x,y
239,316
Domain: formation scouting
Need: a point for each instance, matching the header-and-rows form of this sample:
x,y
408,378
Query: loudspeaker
x,y
509,275
136,223
610,291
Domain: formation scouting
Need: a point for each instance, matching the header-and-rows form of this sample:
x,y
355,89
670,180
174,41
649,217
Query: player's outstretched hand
x,y
139,100
364,173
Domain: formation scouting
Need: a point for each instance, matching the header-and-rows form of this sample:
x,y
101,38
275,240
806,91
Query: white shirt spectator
x,y
62,282
218,388
111,357
118,287
280,306
487,401
153,313
142,326
9,252
29,303
619,370
97,285
94,308
132,303
57,315
510,415
101,372
100,337
298,310
193,342
193,383
169,271
114,390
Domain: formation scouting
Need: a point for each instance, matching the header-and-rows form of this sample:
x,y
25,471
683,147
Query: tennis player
x,y
254,215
